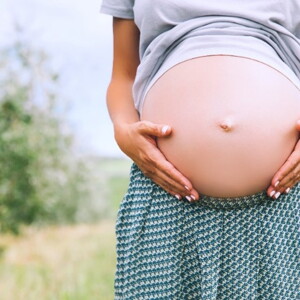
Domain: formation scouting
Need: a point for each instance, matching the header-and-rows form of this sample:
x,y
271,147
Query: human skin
x,y
224,111
137,139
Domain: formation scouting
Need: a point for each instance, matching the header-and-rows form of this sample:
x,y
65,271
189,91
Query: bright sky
x,y
79,40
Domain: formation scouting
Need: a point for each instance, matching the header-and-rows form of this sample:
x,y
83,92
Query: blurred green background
x,y
65,251
62,178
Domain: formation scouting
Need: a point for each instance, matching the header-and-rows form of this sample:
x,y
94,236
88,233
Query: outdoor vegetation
x,y
57,208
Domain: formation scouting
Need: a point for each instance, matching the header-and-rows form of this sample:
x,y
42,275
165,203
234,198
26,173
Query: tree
x,y
42,179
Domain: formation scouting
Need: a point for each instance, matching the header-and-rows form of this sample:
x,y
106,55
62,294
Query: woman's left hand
x,y
288,175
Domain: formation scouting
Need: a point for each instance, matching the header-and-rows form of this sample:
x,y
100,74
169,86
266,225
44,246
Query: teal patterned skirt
x,y
242,248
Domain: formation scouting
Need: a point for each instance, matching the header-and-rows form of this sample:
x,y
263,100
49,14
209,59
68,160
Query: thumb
x,y
159,130
165,130
298,125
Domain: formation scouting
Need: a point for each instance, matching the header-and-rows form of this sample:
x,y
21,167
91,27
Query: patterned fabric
x,y
243,248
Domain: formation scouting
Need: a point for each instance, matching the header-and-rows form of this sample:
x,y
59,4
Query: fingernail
x,y
287,190
272,193
188,198
277,182
178,197
187,188
277,195
165,129
193,197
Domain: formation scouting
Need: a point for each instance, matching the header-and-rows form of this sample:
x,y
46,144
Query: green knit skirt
x,y
238,248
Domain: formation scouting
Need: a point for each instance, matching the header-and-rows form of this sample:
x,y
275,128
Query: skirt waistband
x,y
141,182
234,202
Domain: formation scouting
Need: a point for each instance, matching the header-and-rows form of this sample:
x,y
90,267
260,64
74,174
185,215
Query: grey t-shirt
x,y
172,31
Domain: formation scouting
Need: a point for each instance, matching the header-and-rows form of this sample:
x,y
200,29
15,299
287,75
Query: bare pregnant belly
x,y
233,122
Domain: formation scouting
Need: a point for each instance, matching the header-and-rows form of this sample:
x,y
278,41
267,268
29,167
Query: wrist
x,y
120,126
121,131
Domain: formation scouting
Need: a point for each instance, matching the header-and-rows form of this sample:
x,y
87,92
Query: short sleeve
x,y
118,8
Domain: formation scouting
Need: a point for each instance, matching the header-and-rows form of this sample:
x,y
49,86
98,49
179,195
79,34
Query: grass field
x,y
116,174
59,263
66,262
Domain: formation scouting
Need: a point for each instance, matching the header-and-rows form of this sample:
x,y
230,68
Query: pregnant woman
x,y
205,99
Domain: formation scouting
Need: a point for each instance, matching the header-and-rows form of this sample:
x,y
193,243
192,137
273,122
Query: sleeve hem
x,y
117,12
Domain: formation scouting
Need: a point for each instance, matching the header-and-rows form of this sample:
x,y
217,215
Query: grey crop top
x,y
172,31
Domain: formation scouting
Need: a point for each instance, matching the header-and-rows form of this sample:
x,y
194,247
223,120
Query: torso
x,y
233,122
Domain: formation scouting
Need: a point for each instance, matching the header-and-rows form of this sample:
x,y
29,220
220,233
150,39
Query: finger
x,y
166,182
170,185
176,187
171,172
161,167
291,163
161,163
165,187
154,157
158,130
289,186
170,188
275,193
289,180
298,125
179,197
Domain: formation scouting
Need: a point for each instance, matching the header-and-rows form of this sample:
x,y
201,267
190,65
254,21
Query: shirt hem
x,y
116,12
277,65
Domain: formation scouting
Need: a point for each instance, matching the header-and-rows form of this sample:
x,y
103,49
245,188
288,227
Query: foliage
x,y
42,179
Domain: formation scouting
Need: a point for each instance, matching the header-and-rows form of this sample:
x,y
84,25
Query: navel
x,y
226,124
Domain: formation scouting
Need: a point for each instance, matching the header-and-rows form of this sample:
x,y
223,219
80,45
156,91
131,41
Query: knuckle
x,y
293,162
151,126
148,172
145,124
141,126
169,169
163,185
149,160
145,158
167,186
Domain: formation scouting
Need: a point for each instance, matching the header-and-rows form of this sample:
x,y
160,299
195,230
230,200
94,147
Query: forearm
x,y
120,103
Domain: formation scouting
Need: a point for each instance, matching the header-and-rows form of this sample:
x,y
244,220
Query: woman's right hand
x,y
138,141
136,138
